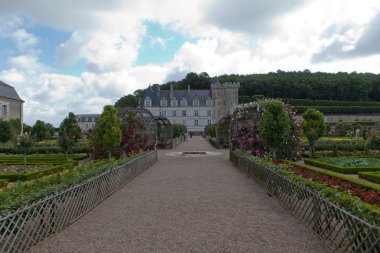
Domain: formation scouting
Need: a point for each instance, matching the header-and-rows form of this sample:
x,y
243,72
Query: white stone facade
x,y
194,109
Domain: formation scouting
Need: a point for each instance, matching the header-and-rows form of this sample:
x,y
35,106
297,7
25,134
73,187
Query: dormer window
x,y
209,102
195,102
147,102
174,102
164,102
184,102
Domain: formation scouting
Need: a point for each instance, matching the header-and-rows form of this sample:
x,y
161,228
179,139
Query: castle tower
x,y
225,98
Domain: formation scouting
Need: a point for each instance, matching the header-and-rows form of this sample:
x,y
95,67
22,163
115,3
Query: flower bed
x,y
352,204
340,169
352,161
370,176
369,196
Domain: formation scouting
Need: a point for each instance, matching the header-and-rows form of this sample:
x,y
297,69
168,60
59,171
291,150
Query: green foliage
x,y
352,161
338,146
107,132
69,132
5,131
3,182
344,200
371,176
313,126
36,174
39,130
50,130
127,101
341,109
340,169
25,142
274,124
178,129
27,193
374,141
329,103
15,125
338,175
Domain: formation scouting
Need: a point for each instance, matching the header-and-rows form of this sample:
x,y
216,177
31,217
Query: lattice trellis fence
x,y
25,228
342,231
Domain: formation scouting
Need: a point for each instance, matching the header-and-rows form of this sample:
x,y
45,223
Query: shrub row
x,y
43,150
35,174
309,102
370,176
338,145
338,175
340,169
340,109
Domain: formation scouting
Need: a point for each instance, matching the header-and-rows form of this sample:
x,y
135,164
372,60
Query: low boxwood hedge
x,y
43,150
340,169
36,174
340,109
349,145
370,176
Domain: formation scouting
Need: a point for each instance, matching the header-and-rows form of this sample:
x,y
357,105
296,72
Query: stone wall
x,y
14,108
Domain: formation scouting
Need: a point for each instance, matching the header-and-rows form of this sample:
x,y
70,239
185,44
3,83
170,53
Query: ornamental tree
x,y
274,125
5,131
68,134
313,127
107,132
24,143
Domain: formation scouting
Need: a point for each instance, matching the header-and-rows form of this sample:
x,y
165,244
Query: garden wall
x,y
340,230
25,228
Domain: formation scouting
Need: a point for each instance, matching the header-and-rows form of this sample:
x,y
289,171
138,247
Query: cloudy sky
x,y
79,55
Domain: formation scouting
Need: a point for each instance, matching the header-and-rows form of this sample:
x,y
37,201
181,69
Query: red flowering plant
x,y
367,195
133,139
245,132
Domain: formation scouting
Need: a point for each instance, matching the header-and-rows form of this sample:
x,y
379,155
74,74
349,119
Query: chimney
x,y
171,91
188,89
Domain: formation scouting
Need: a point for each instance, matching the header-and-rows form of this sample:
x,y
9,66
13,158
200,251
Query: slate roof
x,y
7,91
82,117
201,95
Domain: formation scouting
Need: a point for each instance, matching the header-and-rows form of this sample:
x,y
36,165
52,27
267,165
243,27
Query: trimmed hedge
x,y
354,145
44,150
3,182
337,175
309,102
340,169
35,174
371,176
340,109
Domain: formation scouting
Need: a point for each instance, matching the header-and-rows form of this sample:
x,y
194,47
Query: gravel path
x,y
184,204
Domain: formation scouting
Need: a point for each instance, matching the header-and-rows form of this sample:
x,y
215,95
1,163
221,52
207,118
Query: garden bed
x,y
371,176
345,165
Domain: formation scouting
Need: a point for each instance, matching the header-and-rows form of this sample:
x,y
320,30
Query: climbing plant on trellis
x,y
245,132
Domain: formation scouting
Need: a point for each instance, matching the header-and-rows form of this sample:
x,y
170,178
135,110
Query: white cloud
x,y
23,39
259,37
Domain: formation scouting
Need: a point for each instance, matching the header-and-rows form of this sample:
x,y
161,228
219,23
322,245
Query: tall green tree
x,y
15,125
5,131
68,134
39,130
107,132
274,124
127,101
50,130
313,127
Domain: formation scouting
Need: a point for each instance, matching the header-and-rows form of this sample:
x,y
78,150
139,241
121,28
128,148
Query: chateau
x,y
194,109
11,105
